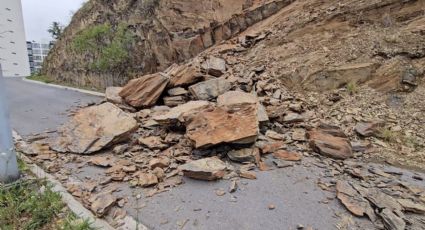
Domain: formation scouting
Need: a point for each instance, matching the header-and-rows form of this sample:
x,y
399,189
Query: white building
x,y
13,46
37,52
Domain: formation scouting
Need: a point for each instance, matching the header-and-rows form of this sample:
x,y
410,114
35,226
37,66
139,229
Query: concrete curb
x,y
65,87
76,207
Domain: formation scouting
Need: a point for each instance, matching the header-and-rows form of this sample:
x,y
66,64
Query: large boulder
x,y
94,128
210,89
213,126
144,91
330,141
183,75
178,113
214,66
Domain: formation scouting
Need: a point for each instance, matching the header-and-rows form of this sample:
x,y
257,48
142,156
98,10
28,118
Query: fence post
x,y
8,165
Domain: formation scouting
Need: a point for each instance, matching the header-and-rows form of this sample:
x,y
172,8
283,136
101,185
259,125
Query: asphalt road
x,y
293,191
36,108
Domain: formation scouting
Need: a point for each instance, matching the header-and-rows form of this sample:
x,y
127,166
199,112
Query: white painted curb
x,y
76,207
65,87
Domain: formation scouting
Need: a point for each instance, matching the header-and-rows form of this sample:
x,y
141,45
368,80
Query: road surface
x,y
195,205
36,108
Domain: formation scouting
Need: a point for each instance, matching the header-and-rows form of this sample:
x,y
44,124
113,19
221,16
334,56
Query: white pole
x,y
8,166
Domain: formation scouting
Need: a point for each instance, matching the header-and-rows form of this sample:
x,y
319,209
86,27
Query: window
x,y
45,46
30,52
29,45
37,58
36,51
45,52
35,45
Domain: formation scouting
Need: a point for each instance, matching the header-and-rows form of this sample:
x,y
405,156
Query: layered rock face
x,y
111,42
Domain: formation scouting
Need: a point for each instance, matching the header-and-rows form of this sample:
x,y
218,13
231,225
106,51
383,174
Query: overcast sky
x,y
39,14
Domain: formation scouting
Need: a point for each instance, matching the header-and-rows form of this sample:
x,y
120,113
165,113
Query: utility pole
x,y
8,165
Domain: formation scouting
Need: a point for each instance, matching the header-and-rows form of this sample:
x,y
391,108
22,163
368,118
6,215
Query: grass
x,y
30,204
352,87
39,77
388,135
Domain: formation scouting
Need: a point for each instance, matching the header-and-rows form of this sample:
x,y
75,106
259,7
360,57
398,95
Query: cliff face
x,y
109,42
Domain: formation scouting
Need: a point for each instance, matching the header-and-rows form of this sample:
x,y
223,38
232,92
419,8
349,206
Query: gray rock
x,y
214,66
210,89
243,155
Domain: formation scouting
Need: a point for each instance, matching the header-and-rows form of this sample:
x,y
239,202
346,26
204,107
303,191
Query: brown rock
x,y
178,113
293,118
243,155
352,200
214,126
102,203
101,161
153,142
204,169
271,147
411,206
234,98
210,89
184,75
162,162
367,129
94,128
112,95
214,66
146,179
247,175
298,135
144,91
329,142
287,156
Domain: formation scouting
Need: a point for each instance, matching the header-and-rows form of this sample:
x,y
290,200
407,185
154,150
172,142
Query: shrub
x,y
107,46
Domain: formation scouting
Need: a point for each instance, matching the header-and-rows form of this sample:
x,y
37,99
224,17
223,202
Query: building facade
x,y
13,49
37,52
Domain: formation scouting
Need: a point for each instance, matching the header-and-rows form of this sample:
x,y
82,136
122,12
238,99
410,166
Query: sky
x,y
39,15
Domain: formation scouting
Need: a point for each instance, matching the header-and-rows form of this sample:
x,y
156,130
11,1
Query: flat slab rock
x,y
330,141
213,126
178,113
204,169
232,98
144,91
94,128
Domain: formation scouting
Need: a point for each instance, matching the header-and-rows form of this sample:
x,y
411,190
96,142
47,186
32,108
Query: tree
x,y
55,30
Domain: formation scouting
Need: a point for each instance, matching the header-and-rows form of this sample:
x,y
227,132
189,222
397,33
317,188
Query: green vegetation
x,y
39,77
30,204
352,87
388,135
107,46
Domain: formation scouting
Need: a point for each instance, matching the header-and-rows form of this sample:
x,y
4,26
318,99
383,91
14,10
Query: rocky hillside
x,y
109,42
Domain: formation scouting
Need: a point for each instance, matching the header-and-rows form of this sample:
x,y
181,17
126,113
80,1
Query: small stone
x,y
299,135
274,135
247,175
287,156
112,95
300,226
153,142
282,163
271,147
220,192
161,162
367,129
177,91
147,179
271,206
293,118
243,155
204,169
233,186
